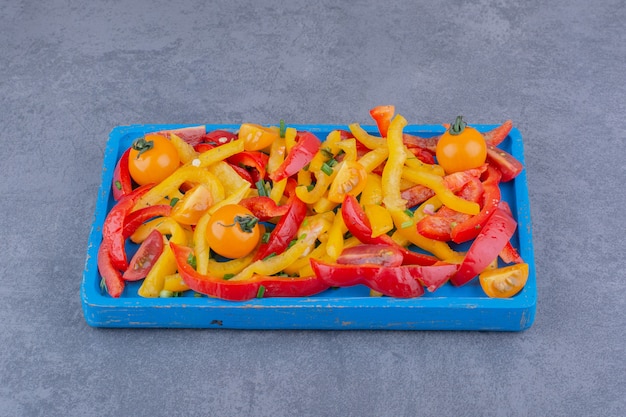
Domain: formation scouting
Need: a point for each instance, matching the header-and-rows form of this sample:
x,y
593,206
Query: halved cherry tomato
x,y
145,257
233,231
256,137
152,158
384,255
193,205
461,148
350,180
504,282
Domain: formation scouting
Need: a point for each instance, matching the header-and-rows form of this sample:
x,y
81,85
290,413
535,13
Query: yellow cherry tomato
x,y
350,180
256,137
504,282
233,231
461,148
152,158
192,205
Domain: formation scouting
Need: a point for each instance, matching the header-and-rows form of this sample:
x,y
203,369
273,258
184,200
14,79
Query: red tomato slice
x,y
384,255
145,258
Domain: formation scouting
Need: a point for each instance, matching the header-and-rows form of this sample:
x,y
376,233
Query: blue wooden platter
x,y
449,308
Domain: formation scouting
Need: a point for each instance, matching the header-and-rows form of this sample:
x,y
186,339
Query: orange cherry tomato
x,y
256,137
350,180
152,158
504,282
461,148
193,205
233,231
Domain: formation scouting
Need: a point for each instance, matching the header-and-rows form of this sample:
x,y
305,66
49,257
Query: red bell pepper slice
x,y
416,195
285,230
122,182
506,163
359,225
273,286
113,227
264,208
435,276
243,173
254,162
203,147
399,281
138,217
488,244
111,275
395,281
219,137
412,141
383,115
470,228
439,225
423,155
290,188
510,255
298,157
496,136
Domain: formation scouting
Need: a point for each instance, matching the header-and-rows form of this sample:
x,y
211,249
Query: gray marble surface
x,y
70,71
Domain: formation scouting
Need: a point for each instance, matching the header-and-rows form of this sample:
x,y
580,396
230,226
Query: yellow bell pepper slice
x,y
440,249
220,153
200,244
328,148
392,173
186,152
369,141
229,178
290,137
374,158
175,283
319,190
379,218
373,191
231,267
334,244
349,148
317,253
437,184
173,182
276,158
234,198
413,162
324,205
278,149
